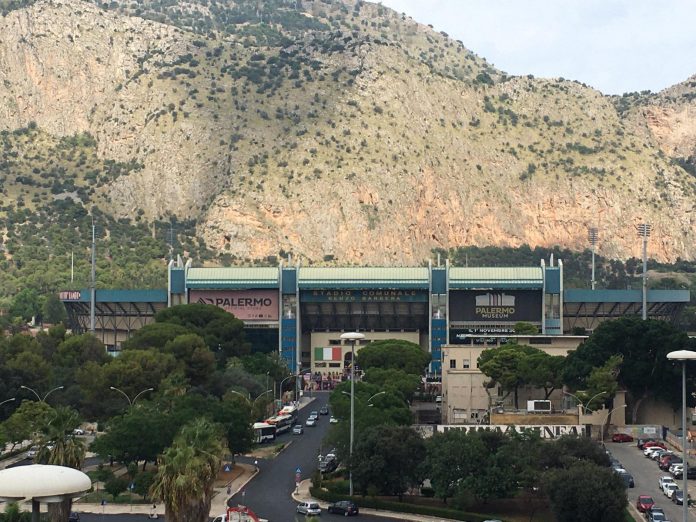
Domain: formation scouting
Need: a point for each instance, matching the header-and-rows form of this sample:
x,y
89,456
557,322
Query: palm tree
x,y
187,470
59,446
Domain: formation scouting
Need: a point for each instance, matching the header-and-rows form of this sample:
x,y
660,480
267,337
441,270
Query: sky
x,y
615,46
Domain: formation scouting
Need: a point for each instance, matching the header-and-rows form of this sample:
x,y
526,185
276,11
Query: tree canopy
x,y
393,354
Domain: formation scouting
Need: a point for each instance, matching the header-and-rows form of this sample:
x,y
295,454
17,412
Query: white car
x,y
333,420
665,479
669,489
311,421
78,431
309,508
676,468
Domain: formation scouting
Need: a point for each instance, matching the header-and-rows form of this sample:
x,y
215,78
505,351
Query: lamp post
x,y
38,397
7,400
644,232
375,395
592,237
353,337
683,356
606,418
583,408
130,402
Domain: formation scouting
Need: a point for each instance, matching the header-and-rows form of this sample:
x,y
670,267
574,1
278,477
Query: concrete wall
x,y
520,419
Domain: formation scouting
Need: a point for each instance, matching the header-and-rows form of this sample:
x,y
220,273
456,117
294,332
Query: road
x,y
645,474
269,493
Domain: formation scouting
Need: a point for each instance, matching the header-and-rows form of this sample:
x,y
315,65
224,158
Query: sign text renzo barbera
x,y
552,431
362,296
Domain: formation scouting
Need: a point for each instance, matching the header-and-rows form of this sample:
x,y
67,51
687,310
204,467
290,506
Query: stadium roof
x,y
498,277
232,277
364,277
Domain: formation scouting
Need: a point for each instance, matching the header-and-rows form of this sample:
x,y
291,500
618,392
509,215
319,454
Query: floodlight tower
x,y
644,232
592,237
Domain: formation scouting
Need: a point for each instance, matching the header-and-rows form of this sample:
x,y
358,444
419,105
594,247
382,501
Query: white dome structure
x,y
42,483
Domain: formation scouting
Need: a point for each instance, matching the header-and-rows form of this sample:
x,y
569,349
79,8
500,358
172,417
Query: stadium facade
x,y
301,311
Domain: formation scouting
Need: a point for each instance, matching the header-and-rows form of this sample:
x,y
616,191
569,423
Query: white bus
x,y
282,423
263,432
289,410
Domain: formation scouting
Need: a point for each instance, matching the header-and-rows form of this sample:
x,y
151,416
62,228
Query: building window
x,y
465,363
334,365
453,363
337,342
320,365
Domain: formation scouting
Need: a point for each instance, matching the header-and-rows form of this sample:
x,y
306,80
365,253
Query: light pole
x,y
130,402
353,337
644,232
592,237
7,400
38,397
280,391
683,356
583,408
606,418
375,395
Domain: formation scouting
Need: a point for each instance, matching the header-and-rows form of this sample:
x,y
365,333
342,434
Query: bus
x,y
282,423
289,410
263,432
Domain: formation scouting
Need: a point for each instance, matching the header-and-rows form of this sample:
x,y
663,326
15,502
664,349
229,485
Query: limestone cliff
x,y
341,130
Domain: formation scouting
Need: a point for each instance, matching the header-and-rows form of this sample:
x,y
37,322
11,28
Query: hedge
x,y
399,507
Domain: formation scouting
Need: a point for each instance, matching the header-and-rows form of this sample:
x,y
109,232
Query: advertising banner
x,y
247,305
364,296
70,295
552,431
495,305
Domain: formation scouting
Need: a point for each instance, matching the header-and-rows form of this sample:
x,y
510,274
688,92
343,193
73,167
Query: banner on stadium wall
x,y
328,354
364,296
495,305
247,305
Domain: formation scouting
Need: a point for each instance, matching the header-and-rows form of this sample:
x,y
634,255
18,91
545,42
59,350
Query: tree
x,y
505,365
154,335
645,370
543,370
54,310
395,381
234,414
197,359
585,491
59,446
393,354
115,486
187,472
388,458
569,449
26,304
26,421
522,328
452,456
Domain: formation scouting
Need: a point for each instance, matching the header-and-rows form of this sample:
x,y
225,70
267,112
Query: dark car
x,y
678,497
665,461
74,517
628,479
323,410
621,437
644,503
328,465
657,515
343,507
690,474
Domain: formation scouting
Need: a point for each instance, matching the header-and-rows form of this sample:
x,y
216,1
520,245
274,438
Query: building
x,y
301,311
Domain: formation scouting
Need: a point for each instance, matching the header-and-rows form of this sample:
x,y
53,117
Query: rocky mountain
x,y
335,130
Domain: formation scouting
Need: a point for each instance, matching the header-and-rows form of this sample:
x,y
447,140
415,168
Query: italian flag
x,y
327,354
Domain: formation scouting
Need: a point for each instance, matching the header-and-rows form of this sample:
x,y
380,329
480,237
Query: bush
x,y
116,486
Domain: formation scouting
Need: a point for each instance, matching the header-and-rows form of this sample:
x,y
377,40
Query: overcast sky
x,y
615,46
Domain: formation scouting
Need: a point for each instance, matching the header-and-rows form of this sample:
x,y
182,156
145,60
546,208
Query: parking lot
x,y
646,473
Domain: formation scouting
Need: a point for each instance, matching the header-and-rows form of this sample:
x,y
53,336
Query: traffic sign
x,y
298,470
227,468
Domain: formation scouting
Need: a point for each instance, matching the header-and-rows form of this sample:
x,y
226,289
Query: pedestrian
x,y
153,511
256,464
229,489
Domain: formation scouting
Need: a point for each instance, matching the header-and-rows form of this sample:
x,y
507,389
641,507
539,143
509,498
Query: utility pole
x,y
644,232
592,236
93,284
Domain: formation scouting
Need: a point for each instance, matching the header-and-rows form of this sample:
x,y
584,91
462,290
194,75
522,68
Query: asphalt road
x,y
645,474
269,493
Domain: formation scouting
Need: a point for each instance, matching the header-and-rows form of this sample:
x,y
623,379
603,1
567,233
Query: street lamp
x,y
38,397
375,395
353,337
582,406
7,400
683,356
130,402
606,419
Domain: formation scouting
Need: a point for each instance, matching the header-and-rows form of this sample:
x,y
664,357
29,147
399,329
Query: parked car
x,y
621,437
32,452
328,465
78,431
665,461
297,429
323,410
642,441
669,489
644,503
311,421
677,466
655,453
627,478
664,479
654,444
309,508
333,420
690,474
678,497
657,515
314,414
344,507
74,517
